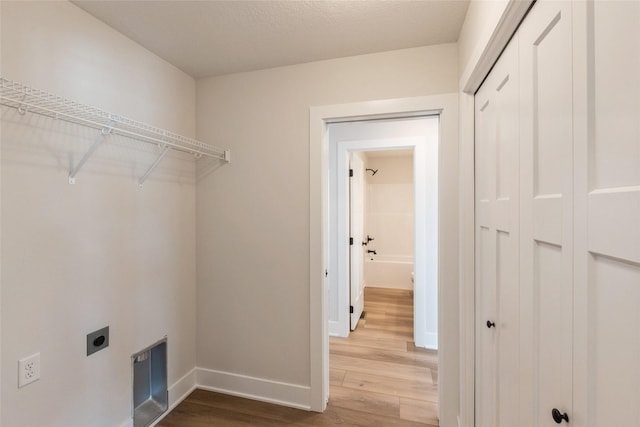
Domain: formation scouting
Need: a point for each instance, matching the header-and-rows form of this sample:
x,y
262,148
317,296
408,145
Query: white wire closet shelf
x,y
26,99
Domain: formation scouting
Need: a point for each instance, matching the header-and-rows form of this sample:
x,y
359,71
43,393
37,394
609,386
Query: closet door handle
x,y
558,417
490,324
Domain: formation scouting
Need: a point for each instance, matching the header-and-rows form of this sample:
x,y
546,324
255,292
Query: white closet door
x,y
607,322
497,244
546,179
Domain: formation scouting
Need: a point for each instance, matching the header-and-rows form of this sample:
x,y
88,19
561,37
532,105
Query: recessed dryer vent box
x,y
150,395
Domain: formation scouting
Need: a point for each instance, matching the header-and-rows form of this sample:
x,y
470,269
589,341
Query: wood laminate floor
x,y
378,378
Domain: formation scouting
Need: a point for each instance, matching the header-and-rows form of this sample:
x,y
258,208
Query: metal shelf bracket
x,y
104,134
144,177
22,109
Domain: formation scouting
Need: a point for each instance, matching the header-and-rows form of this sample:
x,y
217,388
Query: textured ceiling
x,y
205,38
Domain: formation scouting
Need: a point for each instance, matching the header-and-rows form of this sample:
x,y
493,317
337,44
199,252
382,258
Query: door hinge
x,y
350,173
351,309
350,241
326,273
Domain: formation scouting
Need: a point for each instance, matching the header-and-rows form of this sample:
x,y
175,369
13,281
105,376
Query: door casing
x,y
447,106
425,155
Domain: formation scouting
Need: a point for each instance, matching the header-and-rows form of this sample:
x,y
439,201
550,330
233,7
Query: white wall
x,y
253,216
0,234
390,204
390,215
101,252
480,22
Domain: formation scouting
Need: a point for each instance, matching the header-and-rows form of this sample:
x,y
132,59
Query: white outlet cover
x,y
28,370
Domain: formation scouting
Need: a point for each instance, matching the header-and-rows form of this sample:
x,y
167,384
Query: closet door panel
x,y
546,179
486,355
607,261
497,244
614,145
613,349
507,236
614,56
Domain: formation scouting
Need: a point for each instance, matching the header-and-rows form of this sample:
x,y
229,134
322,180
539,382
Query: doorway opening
x,y
417,215
383,193
381,230
323,269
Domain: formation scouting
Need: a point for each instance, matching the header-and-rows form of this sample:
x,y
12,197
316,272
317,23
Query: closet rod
x,y
26,99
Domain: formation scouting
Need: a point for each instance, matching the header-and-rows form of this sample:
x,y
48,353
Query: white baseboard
x,y
178,392
392,285
182,388
292,395
334,329
429,340
279,393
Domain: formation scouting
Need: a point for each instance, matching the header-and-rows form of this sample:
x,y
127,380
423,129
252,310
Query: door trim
x,y
425,158
447,105
513,14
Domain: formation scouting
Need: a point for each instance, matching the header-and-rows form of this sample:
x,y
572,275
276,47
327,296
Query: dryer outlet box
x,y
97,340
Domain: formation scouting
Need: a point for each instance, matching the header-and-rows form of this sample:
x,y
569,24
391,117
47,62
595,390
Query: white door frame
x,y
447,105
425,157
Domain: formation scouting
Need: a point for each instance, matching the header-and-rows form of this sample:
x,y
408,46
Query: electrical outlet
x,y
28,370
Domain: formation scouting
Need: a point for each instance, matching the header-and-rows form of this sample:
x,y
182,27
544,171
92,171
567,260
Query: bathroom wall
x,y
390,203
101,252
390,219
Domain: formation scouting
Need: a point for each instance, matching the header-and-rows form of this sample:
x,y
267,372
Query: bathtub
x,y
388,271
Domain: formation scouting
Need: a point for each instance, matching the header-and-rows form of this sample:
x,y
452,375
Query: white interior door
x,y
607,208
497,142
546,179
356,232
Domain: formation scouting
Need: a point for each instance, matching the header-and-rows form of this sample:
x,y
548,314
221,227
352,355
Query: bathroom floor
x,y
378,378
